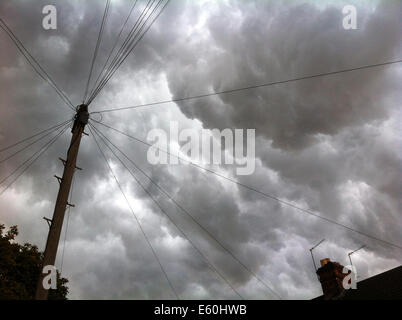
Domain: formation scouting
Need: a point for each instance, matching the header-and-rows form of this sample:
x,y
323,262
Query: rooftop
x,y
383,286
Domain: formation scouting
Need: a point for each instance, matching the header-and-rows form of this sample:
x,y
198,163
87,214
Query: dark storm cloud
x,y
327,144
304,40
286,46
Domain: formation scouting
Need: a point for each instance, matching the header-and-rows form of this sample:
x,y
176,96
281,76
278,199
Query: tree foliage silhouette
x,y
20,267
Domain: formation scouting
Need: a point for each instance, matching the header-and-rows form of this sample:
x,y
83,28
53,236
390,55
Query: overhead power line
x,y
129,48
31,160
119,53
35,64
124,48
98,41
26,161
266,195
135,216
114,46
209,233
250,87
106,142
32,143
33,136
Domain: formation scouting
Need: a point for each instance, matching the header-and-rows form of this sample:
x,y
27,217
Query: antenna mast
x,y
311,251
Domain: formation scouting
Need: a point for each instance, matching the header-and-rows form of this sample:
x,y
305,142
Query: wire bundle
x,y
148,16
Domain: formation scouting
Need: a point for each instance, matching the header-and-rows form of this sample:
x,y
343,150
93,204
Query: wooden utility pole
x,y
56,223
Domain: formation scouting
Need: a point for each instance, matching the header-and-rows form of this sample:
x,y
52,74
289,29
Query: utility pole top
x,y
81,117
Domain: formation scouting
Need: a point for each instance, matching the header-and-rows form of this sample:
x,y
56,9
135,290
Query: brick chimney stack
x,y
331,276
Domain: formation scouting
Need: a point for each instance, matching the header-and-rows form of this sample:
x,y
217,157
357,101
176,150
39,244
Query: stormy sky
x,y
331,144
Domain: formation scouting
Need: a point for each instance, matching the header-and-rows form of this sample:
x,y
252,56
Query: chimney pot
x,y
325,261
331,276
